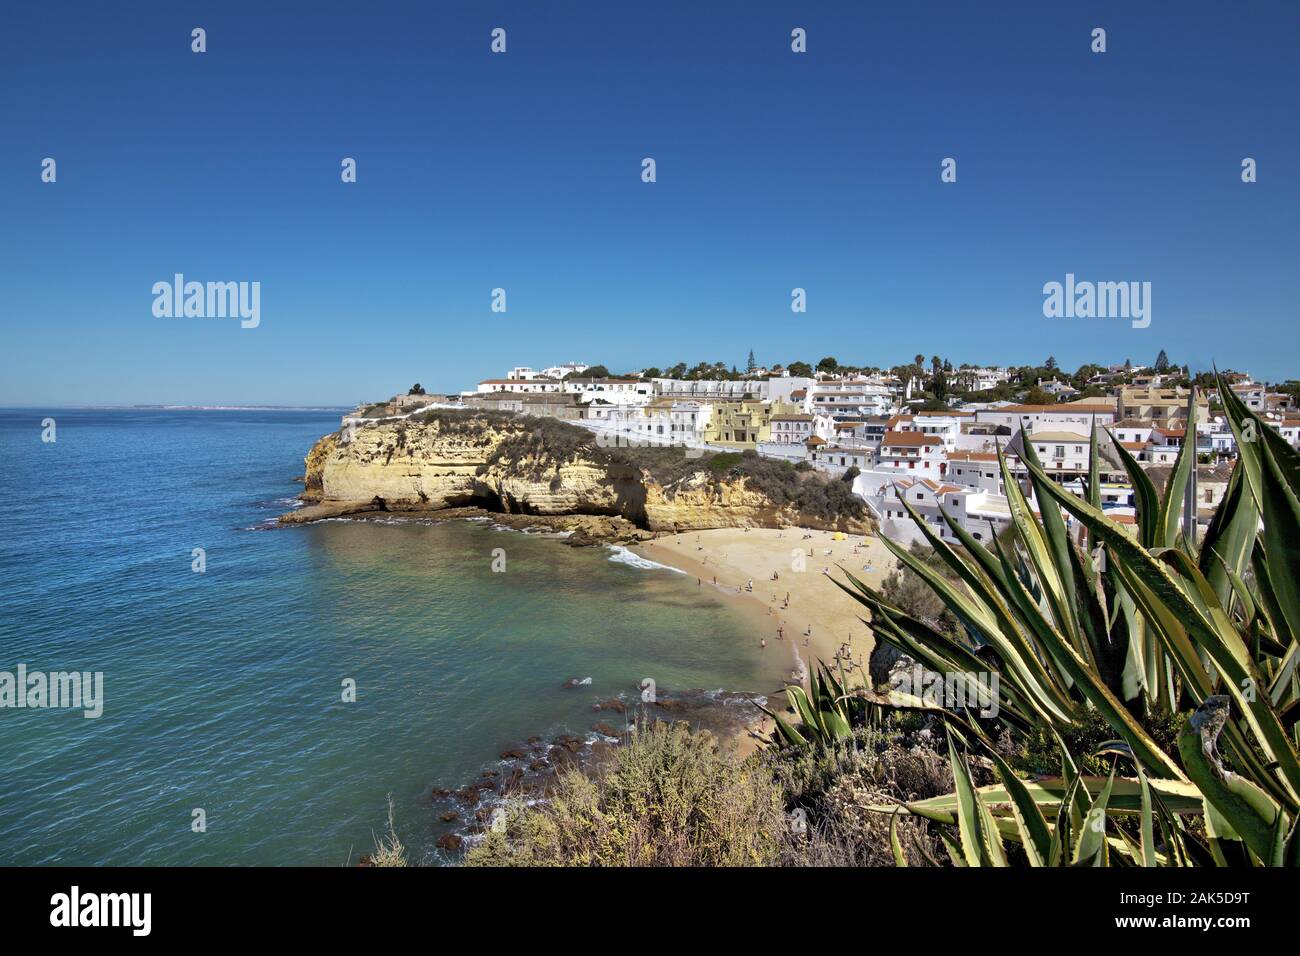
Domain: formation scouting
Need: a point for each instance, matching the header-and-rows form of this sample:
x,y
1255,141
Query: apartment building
x,y
712,389
744,424
913,453
521,386
845,400
795,428
1158,405
1012,418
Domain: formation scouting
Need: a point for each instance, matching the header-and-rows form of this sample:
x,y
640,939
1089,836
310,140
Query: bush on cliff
x,y
670,797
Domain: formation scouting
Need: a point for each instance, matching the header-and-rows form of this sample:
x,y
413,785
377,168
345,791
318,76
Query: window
x,y
1060,451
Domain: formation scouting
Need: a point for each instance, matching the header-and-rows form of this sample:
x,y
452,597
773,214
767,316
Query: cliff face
x,y
439,464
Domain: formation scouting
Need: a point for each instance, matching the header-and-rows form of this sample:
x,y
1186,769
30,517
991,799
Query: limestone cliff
x,y
532,466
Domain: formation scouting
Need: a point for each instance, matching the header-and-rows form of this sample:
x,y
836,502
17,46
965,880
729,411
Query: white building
x,y
797,428
1016,417
982,514
521,385
913,454
845,400
712,388
568,368
615,391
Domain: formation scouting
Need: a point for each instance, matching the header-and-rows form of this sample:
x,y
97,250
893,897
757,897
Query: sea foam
x,y
622,555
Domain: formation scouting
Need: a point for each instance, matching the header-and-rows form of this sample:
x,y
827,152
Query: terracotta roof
x,y
972,456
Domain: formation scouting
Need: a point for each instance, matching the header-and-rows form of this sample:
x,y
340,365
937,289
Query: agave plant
x,y
826,714
1079,614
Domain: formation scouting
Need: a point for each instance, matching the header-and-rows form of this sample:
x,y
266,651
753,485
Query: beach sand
x,y
735,556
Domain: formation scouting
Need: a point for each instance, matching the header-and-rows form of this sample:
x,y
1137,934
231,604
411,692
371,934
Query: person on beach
x,y
780,632
762,642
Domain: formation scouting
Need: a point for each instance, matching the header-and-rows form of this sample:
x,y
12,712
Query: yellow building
x,y
1158,405
743,424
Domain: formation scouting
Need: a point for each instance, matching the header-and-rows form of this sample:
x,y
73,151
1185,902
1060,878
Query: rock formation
x,y
518,465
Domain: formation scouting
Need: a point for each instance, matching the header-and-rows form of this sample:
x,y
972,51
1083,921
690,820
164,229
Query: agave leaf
x,y
900,858
784,729
1171,504
1094,467
1272,469
1010,647
1250,813
1030,822
1230,536
1147,828
1223,645
1061,594
1092,848
1144,492
969,824
1101,697
1179,796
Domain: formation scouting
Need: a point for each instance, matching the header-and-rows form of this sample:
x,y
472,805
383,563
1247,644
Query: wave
x,y
622,555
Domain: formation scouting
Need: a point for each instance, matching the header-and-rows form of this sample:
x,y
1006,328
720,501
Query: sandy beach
x,y
734,557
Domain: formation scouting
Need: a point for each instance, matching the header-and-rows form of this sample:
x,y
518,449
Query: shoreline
x,y
737,556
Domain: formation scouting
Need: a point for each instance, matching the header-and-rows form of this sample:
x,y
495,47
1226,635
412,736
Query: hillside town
x,y
929,433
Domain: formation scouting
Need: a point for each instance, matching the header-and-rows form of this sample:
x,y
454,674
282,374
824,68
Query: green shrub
x,y
670,797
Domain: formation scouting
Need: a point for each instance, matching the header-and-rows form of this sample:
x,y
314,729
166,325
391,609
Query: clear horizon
x,y
522,171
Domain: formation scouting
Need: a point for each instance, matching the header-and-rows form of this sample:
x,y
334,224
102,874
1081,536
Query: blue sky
x,y
522,171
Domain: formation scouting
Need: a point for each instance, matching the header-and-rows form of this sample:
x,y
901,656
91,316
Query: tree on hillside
x,y
416,389
651,372
1162,362
749,369
592,371
1050,363
801,369
829,365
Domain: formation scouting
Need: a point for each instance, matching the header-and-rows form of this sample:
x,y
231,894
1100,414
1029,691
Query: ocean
x,y
224,689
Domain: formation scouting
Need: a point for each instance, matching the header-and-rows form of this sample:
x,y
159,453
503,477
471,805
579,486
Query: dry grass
x,y
389,850
672,797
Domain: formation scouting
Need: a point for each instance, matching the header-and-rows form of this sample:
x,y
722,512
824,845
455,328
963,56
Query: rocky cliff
x,y
533,466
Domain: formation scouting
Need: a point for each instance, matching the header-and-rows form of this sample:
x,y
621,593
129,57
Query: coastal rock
x,y
450,816
450,841
604,729
492,461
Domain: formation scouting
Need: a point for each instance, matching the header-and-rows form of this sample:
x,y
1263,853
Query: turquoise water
x,y
223,689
